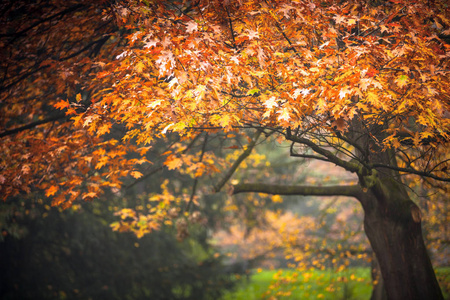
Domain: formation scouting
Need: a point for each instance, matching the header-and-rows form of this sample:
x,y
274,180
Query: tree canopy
x,y
186,67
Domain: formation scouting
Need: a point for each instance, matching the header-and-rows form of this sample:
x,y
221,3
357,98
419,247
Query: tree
x,y
359,84
73,254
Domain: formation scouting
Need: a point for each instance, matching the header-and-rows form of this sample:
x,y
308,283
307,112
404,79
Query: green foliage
x,y
443,276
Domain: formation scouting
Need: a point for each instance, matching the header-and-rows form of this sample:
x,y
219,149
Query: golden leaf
x,y
136,174
51,190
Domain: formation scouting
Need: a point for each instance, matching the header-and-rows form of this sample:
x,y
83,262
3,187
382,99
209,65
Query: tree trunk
x,y
379,290
392,223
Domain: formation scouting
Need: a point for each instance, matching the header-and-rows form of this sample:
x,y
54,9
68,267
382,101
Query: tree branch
x,y
32,125
412,171
194,187
61,13
154,171
231,27
22,77
236,164
100,42
300,190
352,167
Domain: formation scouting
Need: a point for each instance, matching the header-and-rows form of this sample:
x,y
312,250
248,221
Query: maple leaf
x,y
252,34
62,104
191,26
166,62
151,43
139,67
351,22
102,161
339,19
396,143
271,103
51,190
284,115
384,28
136,174
123,54
103,129
304,92
26,169
154,104
261,56
172,162
372,72
344,92
373,98
402,80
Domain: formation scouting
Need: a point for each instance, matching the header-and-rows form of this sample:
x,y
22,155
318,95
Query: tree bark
x,y
378,288
392,223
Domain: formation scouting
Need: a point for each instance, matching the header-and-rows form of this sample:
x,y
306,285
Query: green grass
x,y
311,284
314,284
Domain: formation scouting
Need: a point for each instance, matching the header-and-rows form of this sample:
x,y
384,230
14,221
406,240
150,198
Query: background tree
x,y
47,253
359,84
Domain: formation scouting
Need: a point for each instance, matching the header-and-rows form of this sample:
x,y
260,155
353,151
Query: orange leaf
x,y
51,190
89,195
61,104
136,174
173,162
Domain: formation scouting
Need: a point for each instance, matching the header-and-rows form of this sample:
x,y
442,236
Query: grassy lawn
x,y
353,283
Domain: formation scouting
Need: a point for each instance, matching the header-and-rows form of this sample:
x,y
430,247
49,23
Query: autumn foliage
x,y
156,68
90,90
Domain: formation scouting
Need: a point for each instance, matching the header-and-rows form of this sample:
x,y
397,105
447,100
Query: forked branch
x,y
236,164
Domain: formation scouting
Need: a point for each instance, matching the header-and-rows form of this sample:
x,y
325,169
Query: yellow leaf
x,y
351,21
225,120
277,199
139,67
372,98
173,162
136,174
346,74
